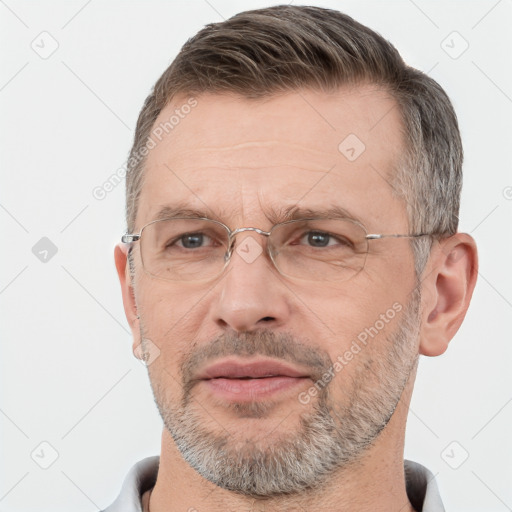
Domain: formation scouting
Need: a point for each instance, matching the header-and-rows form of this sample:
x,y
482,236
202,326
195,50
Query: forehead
x,y
235,157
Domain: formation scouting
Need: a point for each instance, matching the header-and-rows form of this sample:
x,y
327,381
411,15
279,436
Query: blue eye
x,y
323,239
192,241
318,239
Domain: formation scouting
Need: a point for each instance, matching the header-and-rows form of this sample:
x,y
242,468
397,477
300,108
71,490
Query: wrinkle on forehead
x,y
262,143
238,155
311,167
252,154
299,129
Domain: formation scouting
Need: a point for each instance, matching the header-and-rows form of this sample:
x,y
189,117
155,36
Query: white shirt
x,y
420,484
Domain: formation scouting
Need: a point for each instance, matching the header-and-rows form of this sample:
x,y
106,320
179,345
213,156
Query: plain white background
x,y
68,377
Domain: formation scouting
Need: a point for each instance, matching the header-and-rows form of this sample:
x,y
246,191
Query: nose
x,y
250,295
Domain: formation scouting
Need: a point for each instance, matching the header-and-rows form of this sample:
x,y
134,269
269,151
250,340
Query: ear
x,y
130,305
446,291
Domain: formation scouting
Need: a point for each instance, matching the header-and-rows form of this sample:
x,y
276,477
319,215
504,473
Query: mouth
x,y
247,380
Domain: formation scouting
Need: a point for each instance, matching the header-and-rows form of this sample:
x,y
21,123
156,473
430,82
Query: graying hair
x,y
284,48
331,436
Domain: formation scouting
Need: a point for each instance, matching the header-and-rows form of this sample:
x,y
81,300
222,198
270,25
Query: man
x,y
291,250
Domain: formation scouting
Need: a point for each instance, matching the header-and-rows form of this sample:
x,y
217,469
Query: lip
x,y
255,369
238,380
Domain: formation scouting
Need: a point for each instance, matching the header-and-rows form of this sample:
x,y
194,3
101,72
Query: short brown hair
x,y
284,48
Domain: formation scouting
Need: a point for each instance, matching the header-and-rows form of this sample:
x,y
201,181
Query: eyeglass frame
x,y
129,238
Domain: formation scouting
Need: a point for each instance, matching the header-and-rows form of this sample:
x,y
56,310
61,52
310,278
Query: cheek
x,y
341,312
161,303
172,320
354,319
358,360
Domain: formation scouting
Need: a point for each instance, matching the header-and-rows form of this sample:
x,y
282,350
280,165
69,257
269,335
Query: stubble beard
x,y
330,435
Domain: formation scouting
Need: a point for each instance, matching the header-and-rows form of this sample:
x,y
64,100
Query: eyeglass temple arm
x,y
378,236
132,237
128,238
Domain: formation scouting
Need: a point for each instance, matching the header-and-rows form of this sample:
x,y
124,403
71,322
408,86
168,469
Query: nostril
x,y
268,318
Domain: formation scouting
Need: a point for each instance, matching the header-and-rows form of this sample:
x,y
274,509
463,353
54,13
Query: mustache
x,y
280,346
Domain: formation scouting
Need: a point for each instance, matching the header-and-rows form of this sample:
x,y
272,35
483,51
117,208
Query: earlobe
x,y
129,303
447,291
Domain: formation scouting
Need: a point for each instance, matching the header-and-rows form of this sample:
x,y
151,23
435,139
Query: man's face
x,y
276,431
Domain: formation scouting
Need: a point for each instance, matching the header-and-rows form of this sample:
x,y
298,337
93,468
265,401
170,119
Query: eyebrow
x,y
275,215
296,212
171,212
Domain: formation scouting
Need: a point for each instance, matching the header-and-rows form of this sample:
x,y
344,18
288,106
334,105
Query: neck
x,y
376,482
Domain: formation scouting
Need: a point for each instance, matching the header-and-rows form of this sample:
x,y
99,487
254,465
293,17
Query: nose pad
x,y
229,250
227,256
250,247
